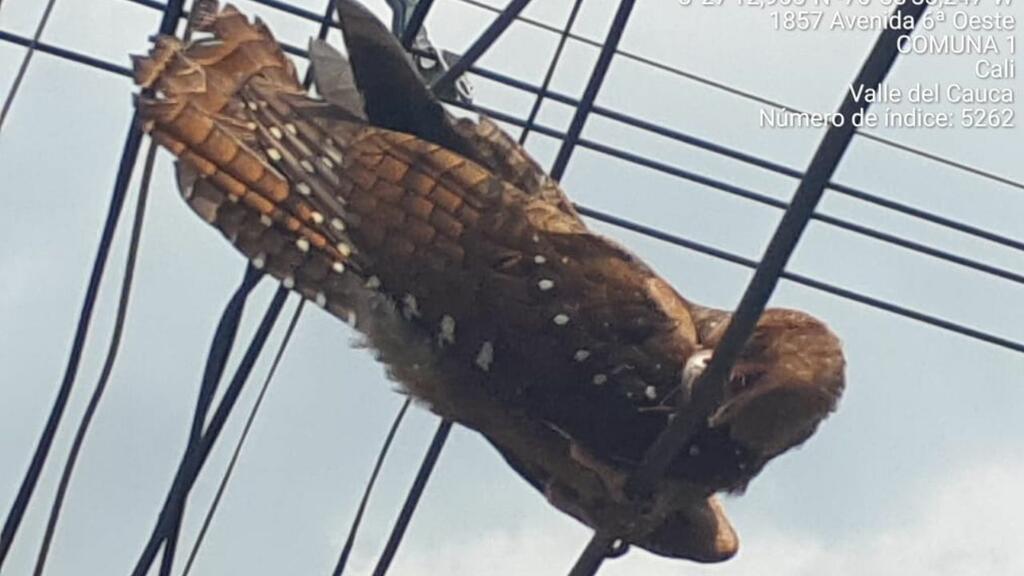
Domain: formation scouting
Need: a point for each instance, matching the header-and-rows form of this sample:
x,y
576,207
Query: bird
x,y
468,272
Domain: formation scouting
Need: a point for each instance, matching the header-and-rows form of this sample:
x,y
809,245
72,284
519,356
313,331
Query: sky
x,y
916,474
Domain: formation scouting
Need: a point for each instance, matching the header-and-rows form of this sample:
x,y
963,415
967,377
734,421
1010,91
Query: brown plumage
x,y
471,275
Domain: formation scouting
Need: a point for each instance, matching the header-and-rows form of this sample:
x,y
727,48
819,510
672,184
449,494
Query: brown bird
x,y
473,278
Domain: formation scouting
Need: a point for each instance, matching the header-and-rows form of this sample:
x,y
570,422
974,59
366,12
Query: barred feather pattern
x,y
474,279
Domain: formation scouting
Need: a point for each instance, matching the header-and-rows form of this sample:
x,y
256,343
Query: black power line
x,y
639,227
550,74
346,550
747,95
23,68
128,156
108,364
480,45
708,389
229,470
195,455
597,75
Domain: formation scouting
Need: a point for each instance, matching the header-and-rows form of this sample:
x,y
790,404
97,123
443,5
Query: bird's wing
x,y
395,97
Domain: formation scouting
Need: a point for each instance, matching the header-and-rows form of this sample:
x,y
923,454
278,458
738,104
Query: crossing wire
x,y
108,365
346,550
637,227
297,11
709,388
734,154
233,462
133,141
747,95
25,61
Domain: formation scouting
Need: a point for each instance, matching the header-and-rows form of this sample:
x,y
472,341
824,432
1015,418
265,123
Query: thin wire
x,y
597,76
208,518
192,462
346,550
747,158
129,155
200,9
481,44
708,389
413,498
108,364
684,138
9,100
415,23
709,386
216,362
549,75
661,235
757,98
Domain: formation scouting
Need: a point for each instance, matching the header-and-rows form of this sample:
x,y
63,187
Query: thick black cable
x,y
415,23
193,460
23,68
124,172
681,137
755,97
493,31
413,498
308,15
208,518
108,364
885,306
200,9
666,237
709,387
744,157
550,74
597,75
346,550
216,362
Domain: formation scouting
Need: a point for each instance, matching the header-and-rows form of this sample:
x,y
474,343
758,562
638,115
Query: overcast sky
x,y
917,474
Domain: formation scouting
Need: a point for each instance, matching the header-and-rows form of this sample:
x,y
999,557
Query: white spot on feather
x,y
259,261
274,154
651,392
410,308
321,299
447,333
303,189
266,220
560,319
276,132
373,283
545,284
338,267
485,356
288,282
302,244
599,379
539,259
581,355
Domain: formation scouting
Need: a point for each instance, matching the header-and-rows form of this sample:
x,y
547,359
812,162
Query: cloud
x,y
967,524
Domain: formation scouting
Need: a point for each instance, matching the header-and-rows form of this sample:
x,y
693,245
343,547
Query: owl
x,y
471,276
